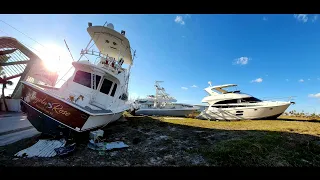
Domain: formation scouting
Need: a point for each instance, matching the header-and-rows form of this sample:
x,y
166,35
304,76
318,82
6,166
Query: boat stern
x,y
49,114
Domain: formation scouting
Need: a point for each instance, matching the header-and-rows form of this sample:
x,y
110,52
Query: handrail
x,y
274,99
112,62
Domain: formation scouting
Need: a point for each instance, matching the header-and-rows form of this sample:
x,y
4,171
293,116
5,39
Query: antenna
x,y
209,82
68,49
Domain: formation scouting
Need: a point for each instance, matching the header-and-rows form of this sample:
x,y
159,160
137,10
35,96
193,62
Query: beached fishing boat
x,y
161,104
94,96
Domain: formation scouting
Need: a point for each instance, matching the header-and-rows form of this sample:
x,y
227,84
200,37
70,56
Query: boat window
x,y
250,99
106,86
84,78
114,89
230,101
228,106
97,81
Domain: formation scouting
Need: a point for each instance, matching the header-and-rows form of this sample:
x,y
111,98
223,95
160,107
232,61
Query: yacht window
x,y
84,78
250,99
114,89
230,101
106,86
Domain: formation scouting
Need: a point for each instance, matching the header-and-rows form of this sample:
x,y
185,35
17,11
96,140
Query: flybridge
x,y
111,42
220,89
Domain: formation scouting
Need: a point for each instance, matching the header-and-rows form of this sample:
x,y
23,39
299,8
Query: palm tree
x,y
4,83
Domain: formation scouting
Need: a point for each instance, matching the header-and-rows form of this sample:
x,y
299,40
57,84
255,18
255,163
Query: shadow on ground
x,y
153,142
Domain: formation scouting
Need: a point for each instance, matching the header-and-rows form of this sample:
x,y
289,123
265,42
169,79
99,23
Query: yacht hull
x,y
50,115
165,112
250,113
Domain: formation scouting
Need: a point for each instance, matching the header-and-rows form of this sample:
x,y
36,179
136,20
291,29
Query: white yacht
x,y
161,104
234,105
95,95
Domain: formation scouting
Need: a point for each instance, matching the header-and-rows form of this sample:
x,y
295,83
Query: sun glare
x,y
55,58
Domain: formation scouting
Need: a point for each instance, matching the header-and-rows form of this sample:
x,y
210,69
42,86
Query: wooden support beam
x,y
8,78
7,51
13,63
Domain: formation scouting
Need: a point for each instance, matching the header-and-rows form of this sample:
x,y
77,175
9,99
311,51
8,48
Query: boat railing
x,y
108,62
288,99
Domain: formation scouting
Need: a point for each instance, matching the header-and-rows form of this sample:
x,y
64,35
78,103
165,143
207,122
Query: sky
x,y
268,56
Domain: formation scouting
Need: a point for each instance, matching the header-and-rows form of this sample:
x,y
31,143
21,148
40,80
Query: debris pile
x,y
96,143
43,148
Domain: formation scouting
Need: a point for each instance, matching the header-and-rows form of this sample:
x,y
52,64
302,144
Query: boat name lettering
x,y
56,107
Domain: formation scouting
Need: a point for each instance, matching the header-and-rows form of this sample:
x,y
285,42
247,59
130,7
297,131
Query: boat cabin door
x,y
104,97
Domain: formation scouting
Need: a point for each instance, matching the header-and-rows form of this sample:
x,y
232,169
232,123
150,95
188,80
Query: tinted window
x,y
114,89
232,101
84,78
97,81
106,86
250,99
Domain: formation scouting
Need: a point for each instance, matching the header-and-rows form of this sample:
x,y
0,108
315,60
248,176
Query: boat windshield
x,y
228,90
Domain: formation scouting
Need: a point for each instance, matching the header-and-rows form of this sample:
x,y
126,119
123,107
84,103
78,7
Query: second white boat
x,y
161,104
234,105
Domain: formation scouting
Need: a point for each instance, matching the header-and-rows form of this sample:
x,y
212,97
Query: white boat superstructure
x,y
95,95
162,104
234,105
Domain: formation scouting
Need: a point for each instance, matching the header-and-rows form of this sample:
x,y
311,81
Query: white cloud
x,y
315,17
184,88
258,80
179,20
305,17
301,17
315,95
194,86
241,60
301,80
265,18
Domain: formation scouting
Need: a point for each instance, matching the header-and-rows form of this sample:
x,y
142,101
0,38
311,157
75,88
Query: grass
x,y
282,142
281,125
157,141
269,150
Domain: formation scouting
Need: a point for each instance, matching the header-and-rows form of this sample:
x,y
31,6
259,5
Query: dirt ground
x,y
179,142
